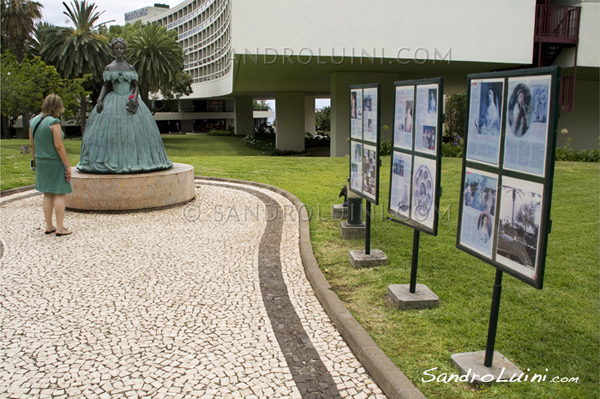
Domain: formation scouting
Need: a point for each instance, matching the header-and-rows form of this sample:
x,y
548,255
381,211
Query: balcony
x,y
557,28
557,24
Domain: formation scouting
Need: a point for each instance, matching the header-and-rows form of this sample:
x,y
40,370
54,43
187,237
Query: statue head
x,y
117,40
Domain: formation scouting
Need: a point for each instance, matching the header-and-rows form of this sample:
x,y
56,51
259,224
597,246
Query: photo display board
x,y
364,141
416,154
508,169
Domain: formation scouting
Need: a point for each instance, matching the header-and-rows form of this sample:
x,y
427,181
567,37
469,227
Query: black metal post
x,y
415,262
368,230
491,340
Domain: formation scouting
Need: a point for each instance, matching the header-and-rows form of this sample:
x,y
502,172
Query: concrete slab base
x,y
131,192
473,371
351,232
359,259
339,212
400,296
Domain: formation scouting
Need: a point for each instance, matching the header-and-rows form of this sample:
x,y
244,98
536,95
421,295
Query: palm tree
x,y
38,39
526,215
18,17
157,57
80,50
516,192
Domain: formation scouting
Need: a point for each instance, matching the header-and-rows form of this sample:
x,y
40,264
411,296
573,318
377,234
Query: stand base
x,y
339,212
359,259
351,232
400,296
131,192
474,372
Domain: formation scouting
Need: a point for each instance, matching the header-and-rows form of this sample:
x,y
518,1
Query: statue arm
x,y
103,93
132,104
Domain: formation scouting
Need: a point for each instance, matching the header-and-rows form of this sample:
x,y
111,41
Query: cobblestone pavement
x,y
205,300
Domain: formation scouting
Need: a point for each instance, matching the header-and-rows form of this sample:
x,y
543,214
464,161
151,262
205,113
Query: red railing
x,y
567,92
559,22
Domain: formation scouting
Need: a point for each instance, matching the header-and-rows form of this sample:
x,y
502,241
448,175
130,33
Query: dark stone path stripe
x,y
8,201
310,374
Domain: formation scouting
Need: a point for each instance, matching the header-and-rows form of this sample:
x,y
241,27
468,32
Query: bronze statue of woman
x,y
121,135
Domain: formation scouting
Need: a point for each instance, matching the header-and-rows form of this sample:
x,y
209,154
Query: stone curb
x,y
12,191
380,367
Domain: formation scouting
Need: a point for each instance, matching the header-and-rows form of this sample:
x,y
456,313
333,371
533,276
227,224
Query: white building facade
x,y
295,52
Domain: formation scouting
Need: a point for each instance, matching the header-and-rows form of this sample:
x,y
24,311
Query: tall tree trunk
x,y
24,133
5,127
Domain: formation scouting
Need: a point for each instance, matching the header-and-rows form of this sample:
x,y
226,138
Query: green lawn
x,y
554,331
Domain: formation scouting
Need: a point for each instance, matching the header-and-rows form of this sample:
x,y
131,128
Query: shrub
x,y
456,107
566,153
385,148
261,141
451,150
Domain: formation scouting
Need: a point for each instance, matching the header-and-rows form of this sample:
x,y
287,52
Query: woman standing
x,y
53,171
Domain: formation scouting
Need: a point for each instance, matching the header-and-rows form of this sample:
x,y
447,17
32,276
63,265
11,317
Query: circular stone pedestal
x,y
131,192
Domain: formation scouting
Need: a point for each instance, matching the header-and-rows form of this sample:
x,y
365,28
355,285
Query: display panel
x,y
364,141
415,166
523,172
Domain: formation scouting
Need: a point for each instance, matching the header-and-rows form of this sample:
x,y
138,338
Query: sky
x,y
113,9
116,9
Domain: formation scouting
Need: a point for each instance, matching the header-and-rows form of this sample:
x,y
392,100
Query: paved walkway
x,y
207,300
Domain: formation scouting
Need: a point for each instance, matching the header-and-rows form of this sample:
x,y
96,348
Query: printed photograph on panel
x,y
356,111
404,117
370,170
485,120
399,204
356,166
423,192
370,114
525,147
478,211
519,225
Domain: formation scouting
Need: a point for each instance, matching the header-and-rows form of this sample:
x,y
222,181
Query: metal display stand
x,y
365,116
415,176
521,185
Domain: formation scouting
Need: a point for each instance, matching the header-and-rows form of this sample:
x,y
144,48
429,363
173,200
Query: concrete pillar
x,y
290,121
309,115
187,125
340,106
244,118
340,115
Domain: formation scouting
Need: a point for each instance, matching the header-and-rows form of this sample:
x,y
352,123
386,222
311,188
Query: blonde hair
x,y
52,106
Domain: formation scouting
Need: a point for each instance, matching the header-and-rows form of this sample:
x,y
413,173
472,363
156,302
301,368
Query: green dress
x,y
118,141
50,169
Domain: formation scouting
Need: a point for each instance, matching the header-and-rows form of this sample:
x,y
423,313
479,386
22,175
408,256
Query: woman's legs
x,y
59,209
55,203
48,208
